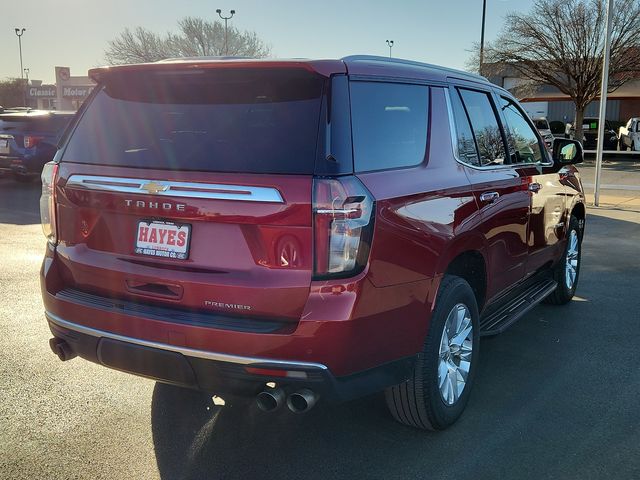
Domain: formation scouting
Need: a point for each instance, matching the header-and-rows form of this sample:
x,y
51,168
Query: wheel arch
x,y
579,211
471,266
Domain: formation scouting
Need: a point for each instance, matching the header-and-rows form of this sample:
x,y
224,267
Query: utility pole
x,y
484,14
603,100
390,45
226,44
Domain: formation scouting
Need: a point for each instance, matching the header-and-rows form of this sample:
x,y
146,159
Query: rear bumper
x,y
6,162
21,165
349,325
221,373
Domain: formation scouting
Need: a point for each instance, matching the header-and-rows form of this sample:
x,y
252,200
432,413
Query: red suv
x,y
300,230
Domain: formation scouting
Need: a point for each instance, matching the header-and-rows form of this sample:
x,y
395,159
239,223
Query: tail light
x,y
343,214
47,201
31,141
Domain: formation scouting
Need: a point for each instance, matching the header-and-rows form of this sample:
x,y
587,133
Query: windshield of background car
x,y
54,124
223,120
542,124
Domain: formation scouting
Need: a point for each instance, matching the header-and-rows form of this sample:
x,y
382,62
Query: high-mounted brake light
x,y
343,212
48,202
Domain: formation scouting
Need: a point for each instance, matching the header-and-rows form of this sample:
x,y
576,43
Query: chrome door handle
x,y
488,197
535,187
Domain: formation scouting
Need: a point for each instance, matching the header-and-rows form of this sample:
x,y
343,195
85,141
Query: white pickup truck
x,y
629,135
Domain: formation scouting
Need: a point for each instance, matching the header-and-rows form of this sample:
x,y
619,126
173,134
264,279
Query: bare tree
x,y
195,37
561,43
138,45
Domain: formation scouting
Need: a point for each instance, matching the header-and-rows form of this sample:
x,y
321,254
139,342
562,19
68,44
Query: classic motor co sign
x,y
44,91
76,92
50,91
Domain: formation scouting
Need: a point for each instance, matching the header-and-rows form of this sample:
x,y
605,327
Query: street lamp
x,y
390,45
219,12
19,33
484,11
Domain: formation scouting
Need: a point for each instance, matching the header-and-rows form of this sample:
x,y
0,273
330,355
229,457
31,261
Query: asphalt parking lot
x,y
557,395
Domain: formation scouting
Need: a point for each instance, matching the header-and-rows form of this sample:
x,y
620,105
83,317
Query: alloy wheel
x,y
454,360
571,267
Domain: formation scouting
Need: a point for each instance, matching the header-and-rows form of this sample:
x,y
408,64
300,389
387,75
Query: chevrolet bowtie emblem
x,y
153,187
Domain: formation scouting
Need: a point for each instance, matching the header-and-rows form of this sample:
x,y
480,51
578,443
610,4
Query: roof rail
x,y
207,57
402,61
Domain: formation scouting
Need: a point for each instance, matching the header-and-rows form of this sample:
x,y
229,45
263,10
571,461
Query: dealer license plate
x,y
163,239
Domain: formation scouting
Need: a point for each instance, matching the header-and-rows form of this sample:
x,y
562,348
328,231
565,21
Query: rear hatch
x,y
191,189
12,130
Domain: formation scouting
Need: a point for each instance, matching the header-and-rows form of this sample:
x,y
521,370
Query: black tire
x,y
418,402
564,293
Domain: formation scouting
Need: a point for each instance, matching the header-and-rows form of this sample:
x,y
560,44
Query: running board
x,y
498,321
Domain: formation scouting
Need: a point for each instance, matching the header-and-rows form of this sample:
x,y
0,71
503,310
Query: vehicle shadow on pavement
x,y
196,440
550,401
19,202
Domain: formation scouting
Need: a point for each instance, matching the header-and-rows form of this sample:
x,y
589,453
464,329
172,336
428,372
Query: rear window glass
x,y
389,124
234,120
53,124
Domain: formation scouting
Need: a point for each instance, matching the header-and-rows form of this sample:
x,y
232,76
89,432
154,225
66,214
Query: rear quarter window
x,y
389,124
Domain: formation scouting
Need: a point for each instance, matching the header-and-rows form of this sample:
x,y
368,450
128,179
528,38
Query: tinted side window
x,y
523,142
485,127
389,124
466,145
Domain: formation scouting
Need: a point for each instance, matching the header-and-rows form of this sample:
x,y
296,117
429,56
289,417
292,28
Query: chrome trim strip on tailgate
x,y
213,191
189,352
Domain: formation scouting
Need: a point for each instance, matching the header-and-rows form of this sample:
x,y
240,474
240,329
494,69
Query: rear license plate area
x,y
162,239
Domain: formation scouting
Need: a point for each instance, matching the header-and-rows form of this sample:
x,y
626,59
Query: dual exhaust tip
x,y
298,402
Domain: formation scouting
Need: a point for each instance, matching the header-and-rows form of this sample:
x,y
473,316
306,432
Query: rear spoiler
x,y
324,68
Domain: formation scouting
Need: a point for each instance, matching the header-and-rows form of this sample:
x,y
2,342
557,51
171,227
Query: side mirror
x,y
567,151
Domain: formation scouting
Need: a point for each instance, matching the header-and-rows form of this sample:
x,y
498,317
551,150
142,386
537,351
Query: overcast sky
x,y
75,33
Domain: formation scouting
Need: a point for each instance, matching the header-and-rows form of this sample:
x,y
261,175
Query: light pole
x,y
390,45
484,12
603,100
232,13
19,33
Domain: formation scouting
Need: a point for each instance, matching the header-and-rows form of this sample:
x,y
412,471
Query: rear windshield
x,y
541,124
223,120
53,124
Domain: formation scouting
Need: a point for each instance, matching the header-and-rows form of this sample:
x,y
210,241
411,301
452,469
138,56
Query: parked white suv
x,y
629,135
